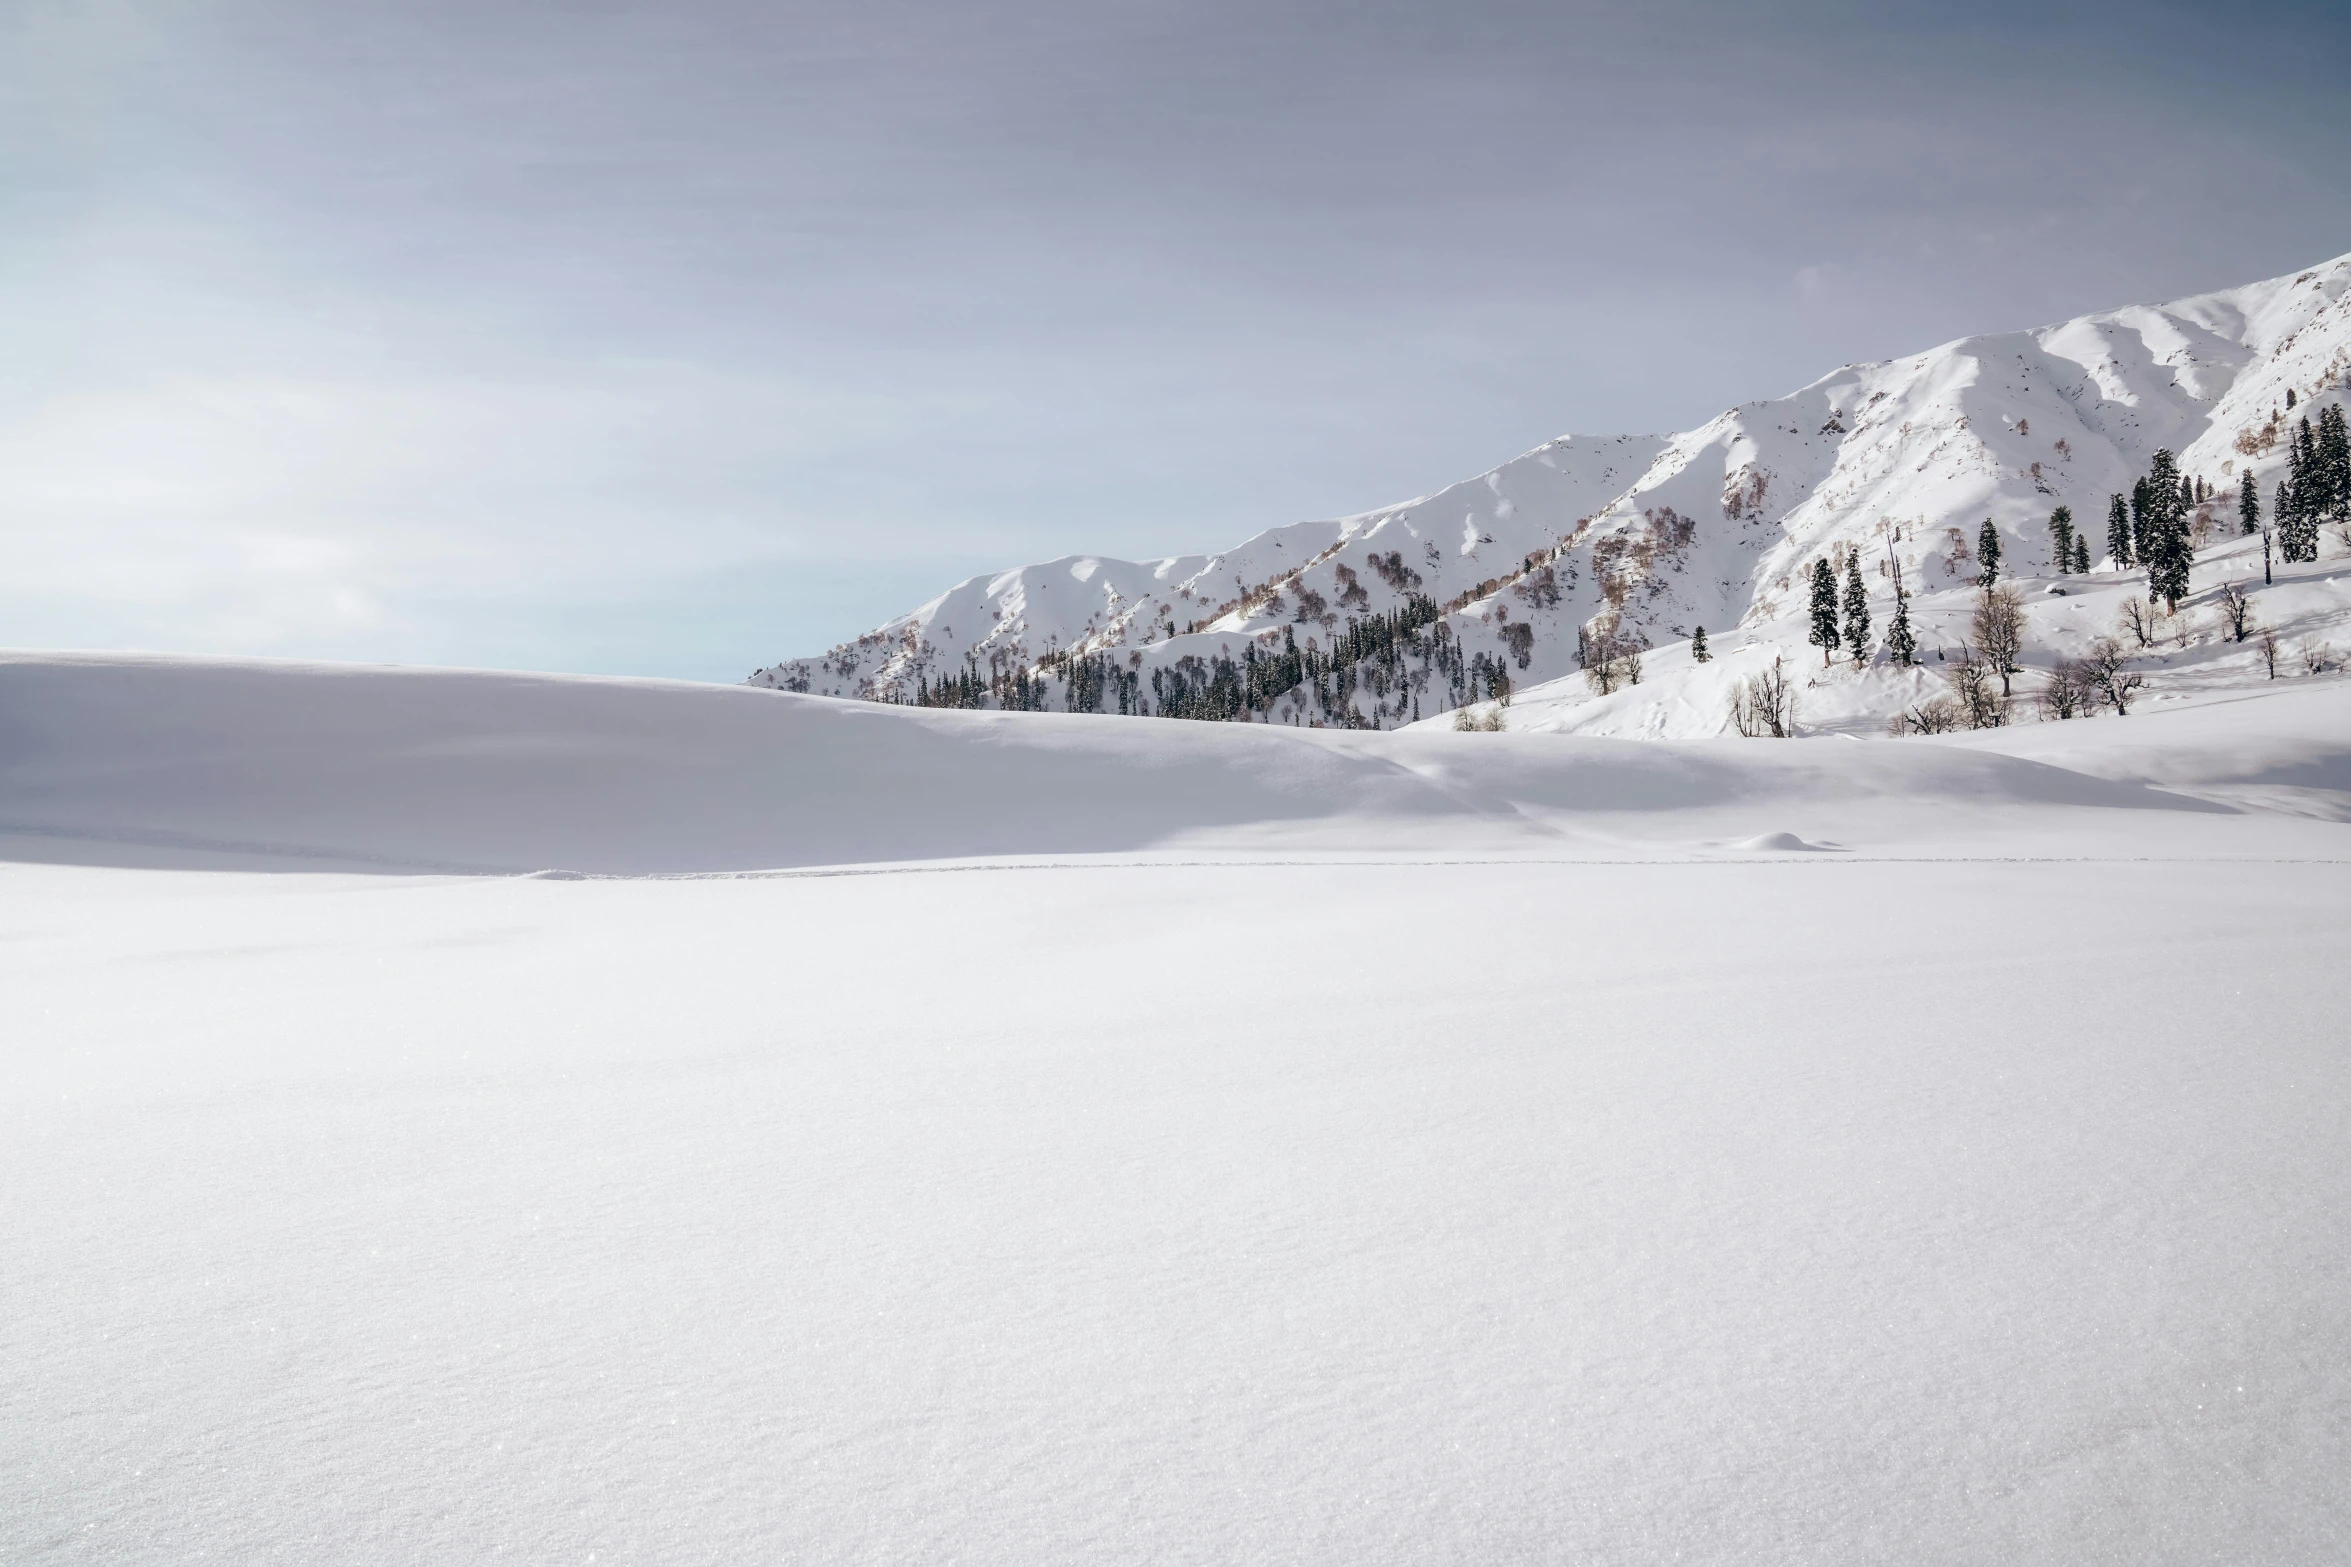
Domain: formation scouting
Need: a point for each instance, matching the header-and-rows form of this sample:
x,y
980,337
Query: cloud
x,y
393,329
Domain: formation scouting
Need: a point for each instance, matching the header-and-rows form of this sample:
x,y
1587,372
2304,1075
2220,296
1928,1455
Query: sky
x,y
674,339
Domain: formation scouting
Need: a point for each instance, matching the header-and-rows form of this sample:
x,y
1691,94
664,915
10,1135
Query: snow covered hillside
x,y
1642,539
2187,658
223,763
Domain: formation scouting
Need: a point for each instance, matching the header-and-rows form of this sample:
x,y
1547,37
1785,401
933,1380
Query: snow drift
x,y
148,760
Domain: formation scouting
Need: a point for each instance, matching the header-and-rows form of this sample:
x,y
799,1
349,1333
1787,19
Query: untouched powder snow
x,y
1145,1141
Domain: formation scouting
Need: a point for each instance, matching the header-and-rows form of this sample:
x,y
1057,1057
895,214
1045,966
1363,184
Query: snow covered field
x,y
1104,1140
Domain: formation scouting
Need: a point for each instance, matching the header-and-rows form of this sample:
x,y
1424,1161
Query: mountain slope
x,y
1643,538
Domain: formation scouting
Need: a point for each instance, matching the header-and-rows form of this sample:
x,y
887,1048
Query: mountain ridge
x,y
1505,578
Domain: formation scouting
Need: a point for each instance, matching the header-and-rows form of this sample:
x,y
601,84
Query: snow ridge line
x,y
1841,857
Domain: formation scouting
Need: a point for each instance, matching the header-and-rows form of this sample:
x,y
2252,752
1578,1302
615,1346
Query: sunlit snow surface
x,y
1107,1141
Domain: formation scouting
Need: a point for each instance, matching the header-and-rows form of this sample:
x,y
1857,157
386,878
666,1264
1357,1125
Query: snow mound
x,y
159,761
1783,843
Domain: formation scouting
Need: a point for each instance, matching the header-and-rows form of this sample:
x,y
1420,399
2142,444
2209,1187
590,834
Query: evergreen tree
x,y
2164,544
1987,554
2118,532
2297,522
1901,641
2333,466
2139,521
2187,495
1856,610
2081,554
2249,504
1824,611
2167,573
1698,653
2163,474
2061,532
2297,500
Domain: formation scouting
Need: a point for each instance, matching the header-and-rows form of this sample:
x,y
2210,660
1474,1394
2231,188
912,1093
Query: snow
x,y
2191,659
1027,1138
1646,537
224,764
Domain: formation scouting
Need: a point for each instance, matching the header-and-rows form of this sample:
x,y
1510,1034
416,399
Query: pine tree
x,y
2061,531
2333,451
2249,505
1698,653
2081,554
2118,532
2164,543
1824,611
2298,499
2167,573
2187,495
1987,554
1901,641
1856,610
2139,505
2297,521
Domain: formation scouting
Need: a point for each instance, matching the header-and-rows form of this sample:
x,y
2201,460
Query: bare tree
x,y
2267,642
1765,703
1610,661
2069,693
1469,719
1935,716
2137,619
1603,669
1980,707
2315,656
2110,675
2236,611
1998,624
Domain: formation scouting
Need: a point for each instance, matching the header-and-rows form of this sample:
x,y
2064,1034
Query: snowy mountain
x,y
1410,610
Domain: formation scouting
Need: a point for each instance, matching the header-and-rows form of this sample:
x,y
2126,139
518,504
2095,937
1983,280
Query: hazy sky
x,y
676,338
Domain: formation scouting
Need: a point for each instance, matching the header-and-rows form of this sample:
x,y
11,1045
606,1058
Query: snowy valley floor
x,y
1501,1153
